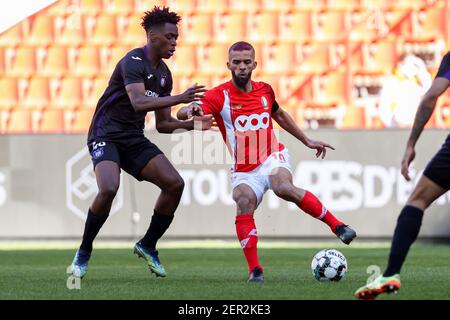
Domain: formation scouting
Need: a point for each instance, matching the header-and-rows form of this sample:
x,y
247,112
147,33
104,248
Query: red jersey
x,y
245,121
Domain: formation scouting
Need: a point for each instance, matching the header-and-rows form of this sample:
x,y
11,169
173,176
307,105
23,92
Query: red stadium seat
x,y
41,31
262,27
229,27
295,26
53,61
196,29
52,121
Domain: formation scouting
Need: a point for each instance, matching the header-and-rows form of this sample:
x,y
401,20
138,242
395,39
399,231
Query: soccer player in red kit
x,y
243,110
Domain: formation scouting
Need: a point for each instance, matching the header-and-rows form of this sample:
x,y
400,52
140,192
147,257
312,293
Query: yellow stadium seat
x,y
311,58
18,121
429,23
135,33
52,121
380,56
109,57
37,93
69,32
13,36
310,4
119,7
212,59
182,7
61,8
53,62
245,6
82,120
262,27
211,6
87,63
229,27
92,90
20,62
277,5
9,90
91,7
330,88
41,31
68,95
101,30
295,26
196,29
344,4
330,25
183,62
278,59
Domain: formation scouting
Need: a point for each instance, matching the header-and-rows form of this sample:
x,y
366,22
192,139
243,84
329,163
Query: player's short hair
x,y
241,46
159,16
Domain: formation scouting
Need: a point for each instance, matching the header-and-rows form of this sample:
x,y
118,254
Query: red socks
x,y
246,232
312,206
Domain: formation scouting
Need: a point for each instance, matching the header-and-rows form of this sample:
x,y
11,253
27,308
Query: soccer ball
x,y
329,265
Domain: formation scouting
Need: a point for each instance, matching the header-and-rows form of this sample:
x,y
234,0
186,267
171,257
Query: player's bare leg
x,y
160,172
246,204
282,185
107,174
406,232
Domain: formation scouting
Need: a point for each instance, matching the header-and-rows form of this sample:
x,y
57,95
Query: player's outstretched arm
x,y
423,114
287,123
165,123
141,102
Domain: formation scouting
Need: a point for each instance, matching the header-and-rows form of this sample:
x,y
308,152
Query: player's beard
x,y
241,82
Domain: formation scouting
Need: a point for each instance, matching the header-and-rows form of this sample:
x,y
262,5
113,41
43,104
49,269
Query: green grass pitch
x,y
215,273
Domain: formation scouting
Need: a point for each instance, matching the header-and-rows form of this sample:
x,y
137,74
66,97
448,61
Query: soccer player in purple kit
x,y
434,183
141,82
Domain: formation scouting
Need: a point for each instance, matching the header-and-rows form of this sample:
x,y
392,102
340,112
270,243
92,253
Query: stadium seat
x,y
119,7
92,90
247,6
61,8
20,62
330,88
380,56
212,6
278,59
183,62
295,26
41,31
311,58
109,57
429,23
277,5
91,7
13,36
182,7
344,4
212,59
17,121
82,120
134,34
287,86
330,25
229,27
87,62
101,30
52,62
68,95
69,32
196,29
9,90
37,93
262,27
51,121
310,4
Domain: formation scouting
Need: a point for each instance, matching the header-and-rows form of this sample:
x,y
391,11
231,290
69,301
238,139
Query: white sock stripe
x,y
252,232
244,242
324,212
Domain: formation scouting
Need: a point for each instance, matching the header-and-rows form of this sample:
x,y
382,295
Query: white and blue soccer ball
x,y
329,265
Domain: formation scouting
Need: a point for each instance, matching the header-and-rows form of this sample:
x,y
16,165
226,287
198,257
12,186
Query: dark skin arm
x,y
141,102
165,123
287,123
423,114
